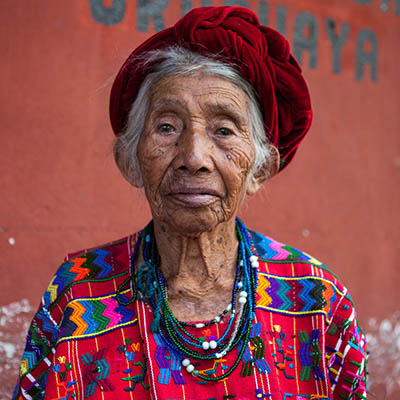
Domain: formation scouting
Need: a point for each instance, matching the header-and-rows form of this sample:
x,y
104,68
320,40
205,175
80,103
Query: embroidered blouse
x,y
305,342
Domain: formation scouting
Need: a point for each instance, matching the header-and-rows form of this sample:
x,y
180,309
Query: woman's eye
x,y
166,128
224,131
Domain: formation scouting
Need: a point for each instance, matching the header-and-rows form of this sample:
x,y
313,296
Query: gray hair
x,y
178,61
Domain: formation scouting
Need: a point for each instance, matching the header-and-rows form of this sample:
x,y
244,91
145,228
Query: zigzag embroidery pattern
x,y
40,336
271,249
92,265
297,296
94,316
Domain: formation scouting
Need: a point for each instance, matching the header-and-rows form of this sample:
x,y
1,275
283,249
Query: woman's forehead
x,y
215,93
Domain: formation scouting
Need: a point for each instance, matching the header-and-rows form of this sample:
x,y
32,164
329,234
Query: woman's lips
x,y
194,197
194,200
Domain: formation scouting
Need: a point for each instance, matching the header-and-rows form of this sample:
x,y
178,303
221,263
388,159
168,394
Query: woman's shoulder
x,y
294,283
282,260
113,247
82,301
92,271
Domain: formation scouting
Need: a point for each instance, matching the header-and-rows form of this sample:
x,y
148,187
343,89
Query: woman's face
x,y
195,152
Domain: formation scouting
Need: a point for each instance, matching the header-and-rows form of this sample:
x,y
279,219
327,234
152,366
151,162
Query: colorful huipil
x,y
83,344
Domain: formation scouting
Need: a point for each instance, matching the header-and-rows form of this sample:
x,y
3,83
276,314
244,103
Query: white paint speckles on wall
x,y
14,323
8,348
383,366
13,311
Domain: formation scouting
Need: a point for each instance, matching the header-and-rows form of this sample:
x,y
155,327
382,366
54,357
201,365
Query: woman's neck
x,y
199,271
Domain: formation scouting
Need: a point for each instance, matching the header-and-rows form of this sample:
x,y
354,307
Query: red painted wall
x,y
60,190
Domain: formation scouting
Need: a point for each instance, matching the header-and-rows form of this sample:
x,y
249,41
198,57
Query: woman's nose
x,y
194,151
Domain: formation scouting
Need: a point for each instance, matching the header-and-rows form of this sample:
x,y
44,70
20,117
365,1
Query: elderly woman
x,y
196,306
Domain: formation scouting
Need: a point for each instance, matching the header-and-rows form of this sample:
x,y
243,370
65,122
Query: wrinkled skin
x,y
195,155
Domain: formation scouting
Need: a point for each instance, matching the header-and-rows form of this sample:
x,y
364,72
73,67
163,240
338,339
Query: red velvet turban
x,y
261,55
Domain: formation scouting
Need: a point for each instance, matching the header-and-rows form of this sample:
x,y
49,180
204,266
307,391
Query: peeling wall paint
x,y
14,321
383,366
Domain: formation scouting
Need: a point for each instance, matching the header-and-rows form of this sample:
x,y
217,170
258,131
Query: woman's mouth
x,y
194,197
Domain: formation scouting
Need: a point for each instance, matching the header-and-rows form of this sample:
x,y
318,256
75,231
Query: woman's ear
x,y
275,161
136,181
134,177
267,171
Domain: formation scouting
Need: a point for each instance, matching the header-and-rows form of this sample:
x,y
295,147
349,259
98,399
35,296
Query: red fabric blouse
x,y
305,342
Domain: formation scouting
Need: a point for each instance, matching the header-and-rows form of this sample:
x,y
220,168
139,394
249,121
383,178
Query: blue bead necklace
x,y
149,284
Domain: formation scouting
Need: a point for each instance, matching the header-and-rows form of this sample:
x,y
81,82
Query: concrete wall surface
x,y
61,192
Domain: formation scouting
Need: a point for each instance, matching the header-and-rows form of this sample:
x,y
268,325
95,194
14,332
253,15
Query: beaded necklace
x,y
149,284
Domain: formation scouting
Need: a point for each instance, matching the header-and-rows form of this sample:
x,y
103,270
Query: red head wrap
x,y
260,54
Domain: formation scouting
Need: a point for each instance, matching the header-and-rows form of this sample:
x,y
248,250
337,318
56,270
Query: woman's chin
x,y
193,222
